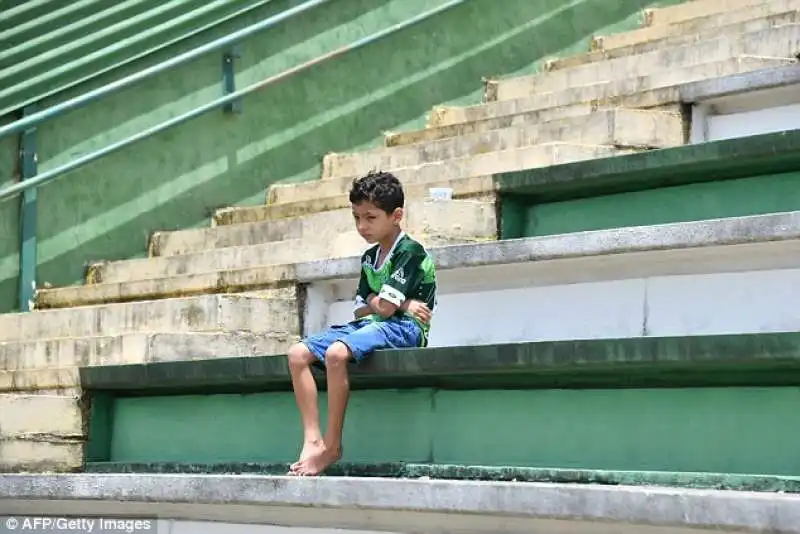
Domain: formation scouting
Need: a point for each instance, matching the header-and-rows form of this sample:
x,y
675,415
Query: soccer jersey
x,y
407,272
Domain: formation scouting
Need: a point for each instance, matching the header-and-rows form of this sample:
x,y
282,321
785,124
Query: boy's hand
x,y
418,309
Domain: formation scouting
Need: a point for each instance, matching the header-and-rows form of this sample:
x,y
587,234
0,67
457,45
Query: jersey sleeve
x,y
362,292
405,278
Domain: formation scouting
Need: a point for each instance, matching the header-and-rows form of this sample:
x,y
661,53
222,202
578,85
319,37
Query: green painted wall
x,y
9,220
108,209
724,198
723,430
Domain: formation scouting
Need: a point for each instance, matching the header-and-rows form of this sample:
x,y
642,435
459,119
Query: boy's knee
x,y
299,356
337,354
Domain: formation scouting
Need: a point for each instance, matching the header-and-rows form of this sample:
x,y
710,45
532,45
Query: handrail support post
x,y
28,162
229,79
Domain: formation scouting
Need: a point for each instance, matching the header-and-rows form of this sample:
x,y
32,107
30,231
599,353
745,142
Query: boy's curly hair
x,y
380,188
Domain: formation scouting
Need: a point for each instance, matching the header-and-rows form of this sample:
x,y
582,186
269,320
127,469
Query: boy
x,y
393,306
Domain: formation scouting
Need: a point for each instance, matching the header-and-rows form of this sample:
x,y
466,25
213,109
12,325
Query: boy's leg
x,y
300,357
336,359
305,393
357,345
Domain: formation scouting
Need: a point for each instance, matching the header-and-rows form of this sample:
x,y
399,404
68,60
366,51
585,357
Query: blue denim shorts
x,y
364,336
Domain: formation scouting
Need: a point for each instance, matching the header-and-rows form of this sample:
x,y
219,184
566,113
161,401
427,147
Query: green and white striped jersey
x,y
407,272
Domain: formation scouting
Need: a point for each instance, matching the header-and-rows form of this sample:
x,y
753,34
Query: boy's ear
x,y
397,215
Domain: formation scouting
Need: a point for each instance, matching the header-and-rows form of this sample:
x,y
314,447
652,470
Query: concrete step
x,y
353,504
657,89
232,279
602,53
53,381
617,127
283,311
470,221
469,178
40,432
420,217
726,22
139,348
694,9
476,188
454,173
594,479
282,314
206,313
433,134
780,41
29,416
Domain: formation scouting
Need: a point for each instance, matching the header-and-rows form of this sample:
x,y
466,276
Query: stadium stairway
x,y
602,362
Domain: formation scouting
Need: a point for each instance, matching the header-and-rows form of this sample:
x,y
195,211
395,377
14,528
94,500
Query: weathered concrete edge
x,y
402,470
740,83
695,234
651,239
748,511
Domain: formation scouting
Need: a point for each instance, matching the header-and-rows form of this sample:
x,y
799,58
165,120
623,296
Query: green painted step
x,y
715,481
54,19
740,430
63,34
716,160
692,361
94,38
68,50
692,182
688,404
13,13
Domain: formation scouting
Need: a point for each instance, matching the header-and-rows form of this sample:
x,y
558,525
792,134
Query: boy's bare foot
x,y
310,449
317,463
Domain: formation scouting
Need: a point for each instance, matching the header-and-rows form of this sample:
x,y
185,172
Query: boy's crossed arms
x,y
374,304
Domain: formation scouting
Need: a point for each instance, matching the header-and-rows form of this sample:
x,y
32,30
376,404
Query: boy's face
x,y
374,224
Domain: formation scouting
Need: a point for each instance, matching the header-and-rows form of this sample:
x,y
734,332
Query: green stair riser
x,y
724,430
756,155
27,73
61,76
37,65
693,202
692,182
21,12
35,41
32,28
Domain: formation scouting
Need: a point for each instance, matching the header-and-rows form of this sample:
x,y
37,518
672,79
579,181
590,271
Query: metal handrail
x,y
72,82
88,158
113,87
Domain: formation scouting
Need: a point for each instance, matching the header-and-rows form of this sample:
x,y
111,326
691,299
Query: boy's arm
x,y
367,309
404,280
362,311
365,301
366,305
383,308
361,307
